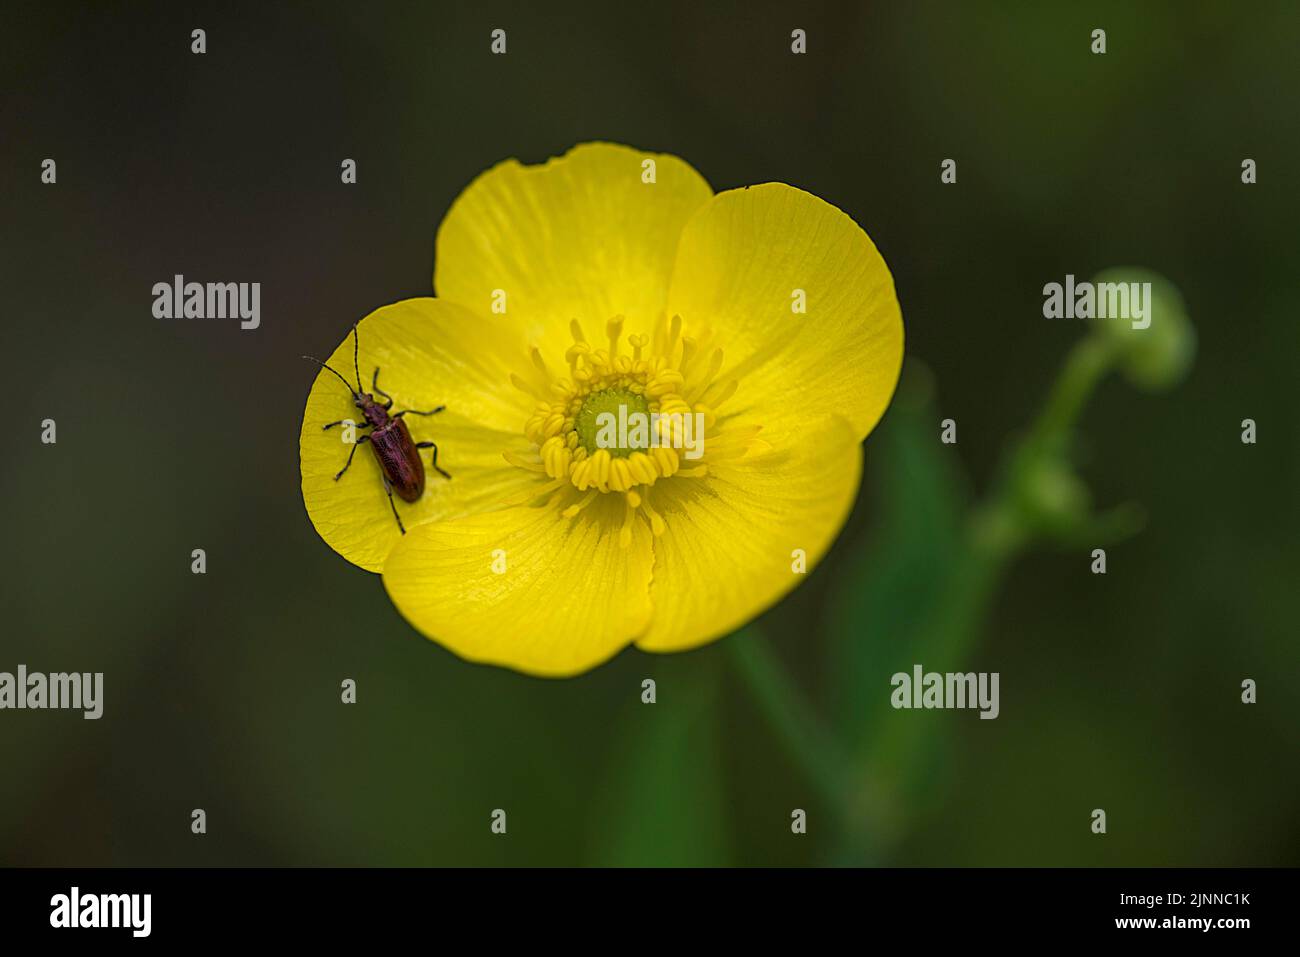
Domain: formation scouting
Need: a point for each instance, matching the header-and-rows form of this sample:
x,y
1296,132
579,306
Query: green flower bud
x,y
1155,351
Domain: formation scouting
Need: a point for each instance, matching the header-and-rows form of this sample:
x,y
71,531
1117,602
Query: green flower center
x,y
608,418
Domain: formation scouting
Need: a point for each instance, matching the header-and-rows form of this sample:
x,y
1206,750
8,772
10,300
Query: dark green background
x,y
222,692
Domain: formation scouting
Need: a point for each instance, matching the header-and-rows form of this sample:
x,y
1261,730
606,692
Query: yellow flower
x,y
765,311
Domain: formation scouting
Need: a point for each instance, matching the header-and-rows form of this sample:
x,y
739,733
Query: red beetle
x,y
395,451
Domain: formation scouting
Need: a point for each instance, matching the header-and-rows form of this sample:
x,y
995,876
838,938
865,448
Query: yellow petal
x,y
579,237
429,353
732,540
567,597
740,264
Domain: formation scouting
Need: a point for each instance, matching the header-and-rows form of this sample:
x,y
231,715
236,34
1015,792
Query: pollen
x,y
628,416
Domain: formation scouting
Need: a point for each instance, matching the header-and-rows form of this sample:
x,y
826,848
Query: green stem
x,y
806,738
998,531
1089,360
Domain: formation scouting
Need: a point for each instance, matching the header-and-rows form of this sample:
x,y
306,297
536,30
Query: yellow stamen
x,y
518,460
523,386
619,423
625,533
540,362
613,329
587,498
656,520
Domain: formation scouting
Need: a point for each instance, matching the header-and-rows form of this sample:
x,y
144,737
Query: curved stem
x,y
1087,363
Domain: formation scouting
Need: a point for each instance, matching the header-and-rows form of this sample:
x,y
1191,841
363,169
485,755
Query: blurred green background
x,y
222,692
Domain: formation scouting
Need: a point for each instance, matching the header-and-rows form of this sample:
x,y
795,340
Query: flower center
x,y
602,422
619,423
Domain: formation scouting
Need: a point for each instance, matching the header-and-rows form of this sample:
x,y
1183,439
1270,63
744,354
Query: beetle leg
x,y
434,446
393,505
361,441
418,412
359,425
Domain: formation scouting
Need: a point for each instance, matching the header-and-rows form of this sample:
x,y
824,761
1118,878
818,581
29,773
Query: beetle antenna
x,y
356,348
324,366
